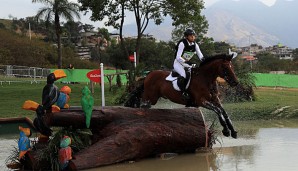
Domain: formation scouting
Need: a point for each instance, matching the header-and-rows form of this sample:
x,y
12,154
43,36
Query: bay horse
x,y
202,89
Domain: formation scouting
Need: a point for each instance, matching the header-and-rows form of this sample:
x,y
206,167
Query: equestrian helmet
x,y
189,32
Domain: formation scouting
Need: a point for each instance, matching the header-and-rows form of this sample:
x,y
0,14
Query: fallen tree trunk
x,y
128,133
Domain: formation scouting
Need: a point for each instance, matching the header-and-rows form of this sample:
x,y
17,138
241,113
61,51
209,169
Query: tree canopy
x,y
58,9
184,13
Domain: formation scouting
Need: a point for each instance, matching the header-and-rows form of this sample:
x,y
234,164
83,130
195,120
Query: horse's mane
x,y
215,57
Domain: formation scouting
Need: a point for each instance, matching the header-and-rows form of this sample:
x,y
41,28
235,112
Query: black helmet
x,y
189,32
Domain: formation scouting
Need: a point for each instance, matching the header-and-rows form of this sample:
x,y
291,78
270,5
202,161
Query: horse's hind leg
x,y
148,100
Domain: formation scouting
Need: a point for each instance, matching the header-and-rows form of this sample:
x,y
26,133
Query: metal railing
x,y
16,73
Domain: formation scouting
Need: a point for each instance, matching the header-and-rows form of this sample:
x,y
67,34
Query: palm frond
x,y
80,140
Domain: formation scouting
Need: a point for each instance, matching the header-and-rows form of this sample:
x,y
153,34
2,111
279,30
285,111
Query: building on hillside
x,y
251,50
282,52
91,40
83,52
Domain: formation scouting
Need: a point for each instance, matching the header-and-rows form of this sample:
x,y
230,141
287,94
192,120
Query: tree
x,y
295,54
113,10
186,14
2,26
72,31
58,9
87,27
267,62
104,33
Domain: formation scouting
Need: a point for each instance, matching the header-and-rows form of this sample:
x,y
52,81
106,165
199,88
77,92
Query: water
x,y
261,146
269,145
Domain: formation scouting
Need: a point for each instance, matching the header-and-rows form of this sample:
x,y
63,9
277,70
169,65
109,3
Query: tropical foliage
x,y
58,9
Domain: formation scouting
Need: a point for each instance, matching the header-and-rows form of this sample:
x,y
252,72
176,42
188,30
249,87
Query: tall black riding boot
x,y
182,84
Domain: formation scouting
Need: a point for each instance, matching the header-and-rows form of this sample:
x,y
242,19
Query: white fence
x,y
16,73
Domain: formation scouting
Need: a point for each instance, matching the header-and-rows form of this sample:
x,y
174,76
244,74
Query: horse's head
x,y
226,71
221,65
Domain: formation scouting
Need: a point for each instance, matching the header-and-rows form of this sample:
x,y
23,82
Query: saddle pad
x,y
174,81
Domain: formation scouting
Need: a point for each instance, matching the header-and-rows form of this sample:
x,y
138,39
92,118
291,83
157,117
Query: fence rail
x,y
16,73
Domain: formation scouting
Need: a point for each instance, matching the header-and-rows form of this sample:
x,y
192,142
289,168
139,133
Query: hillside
x,y
16,49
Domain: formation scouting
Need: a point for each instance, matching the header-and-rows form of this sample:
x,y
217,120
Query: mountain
x,y
224,26
242,22
262,24
233,22
160,32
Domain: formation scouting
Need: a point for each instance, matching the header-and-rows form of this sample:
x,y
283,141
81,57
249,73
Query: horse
x,y
202,89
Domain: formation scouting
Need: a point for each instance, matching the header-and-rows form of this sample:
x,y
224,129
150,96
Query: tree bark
x,y
123,134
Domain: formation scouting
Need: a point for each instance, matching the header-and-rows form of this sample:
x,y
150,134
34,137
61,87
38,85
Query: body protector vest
x,y
189,50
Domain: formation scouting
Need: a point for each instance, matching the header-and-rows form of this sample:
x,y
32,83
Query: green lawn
x,y
270,104
14,95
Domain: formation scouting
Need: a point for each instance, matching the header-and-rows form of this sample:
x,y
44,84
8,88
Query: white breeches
x,y
179,68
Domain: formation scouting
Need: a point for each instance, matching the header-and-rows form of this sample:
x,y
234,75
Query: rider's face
x,y
191,38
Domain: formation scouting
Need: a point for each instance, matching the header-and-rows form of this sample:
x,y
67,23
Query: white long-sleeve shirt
x,y
181,46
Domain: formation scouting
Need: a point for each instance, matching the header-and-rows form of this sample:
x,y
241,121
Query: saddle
x,y
174,78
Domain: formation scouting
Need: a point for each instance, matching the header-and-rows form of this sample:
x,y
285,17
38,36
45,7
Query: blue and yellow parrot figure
x,y
64,98
24,142
64,152
87,103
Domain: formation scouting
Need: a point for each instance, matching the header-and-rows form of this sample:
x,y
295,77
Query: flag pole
x,y
102,86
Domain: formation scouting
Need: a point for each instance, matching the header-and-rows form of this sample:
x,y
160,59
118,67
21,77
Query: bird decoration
x,y
87,103
64,152
64,98
24,142
50,95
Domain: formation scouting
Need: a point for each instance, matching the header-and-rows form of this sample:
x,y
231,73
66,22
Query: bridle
x,y
226,74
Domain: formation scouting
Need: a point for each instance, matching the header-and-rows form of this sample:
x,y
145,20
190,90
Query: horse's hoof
x,y
226,132
234,134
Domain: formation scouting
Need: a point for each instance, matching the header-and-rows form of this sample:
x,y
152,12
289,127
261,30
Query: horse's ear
x,y
234,54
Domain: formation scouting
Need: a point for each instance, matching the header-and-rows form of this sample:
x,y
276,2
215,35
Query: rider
x,y
185,50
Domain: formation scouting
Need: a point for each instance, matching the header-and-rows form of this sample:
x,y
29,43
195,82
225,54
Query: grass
x,y
15,94
270,104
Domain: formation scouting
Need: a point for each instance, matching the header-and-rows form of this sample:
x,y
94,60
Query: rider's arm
x,y
199,53
179,53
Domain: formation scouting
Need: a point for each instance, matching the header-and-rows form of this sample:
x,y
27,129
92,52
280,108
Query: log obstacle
x,y
121,134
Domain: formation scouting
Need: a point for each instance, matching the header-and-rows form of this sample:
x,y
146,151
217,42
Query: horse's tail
x,y
134,98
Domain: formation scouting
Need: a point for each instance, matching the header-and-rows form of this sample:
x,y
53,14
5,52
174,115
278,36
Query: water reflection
x,y
6,146
188,162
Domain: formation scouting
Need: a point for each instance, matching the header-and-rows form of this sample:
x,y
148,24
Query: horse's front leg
x,y
228,121
218,111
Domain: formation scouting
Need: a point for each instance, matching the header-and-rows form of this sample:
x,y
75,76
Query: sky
x,y
25,8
